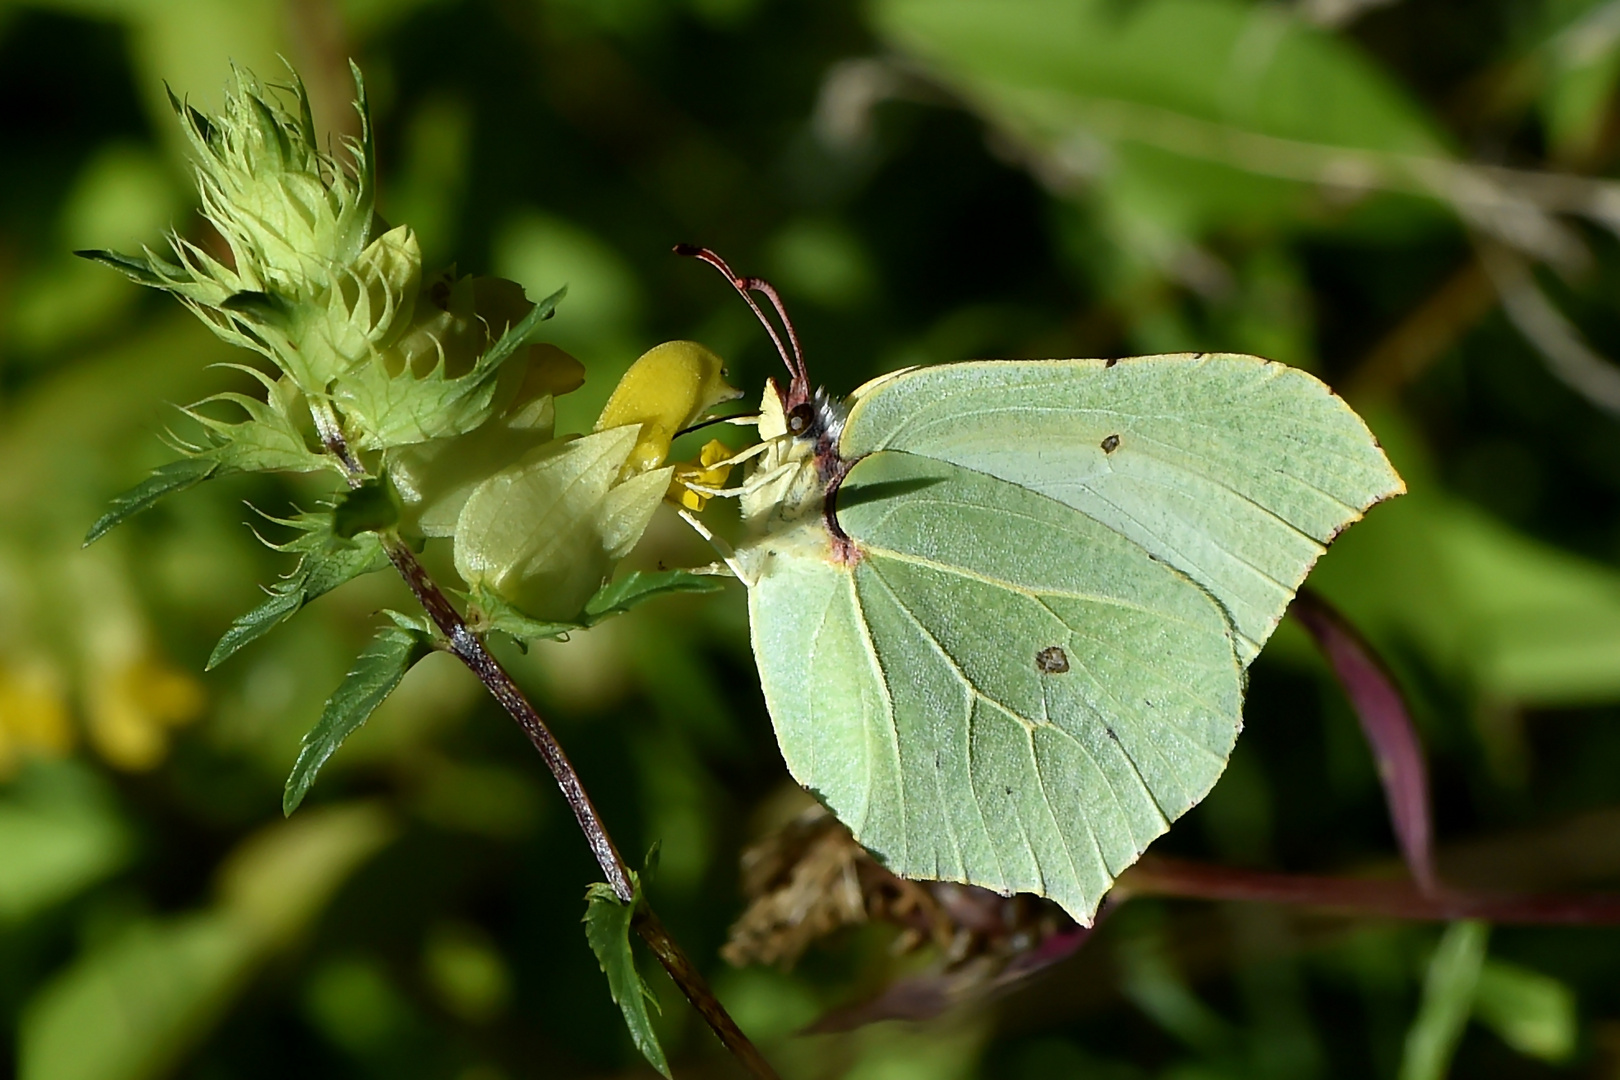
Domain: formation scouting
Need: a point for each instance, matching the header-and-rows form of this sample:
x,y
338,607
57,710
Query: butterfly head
x,y
815,417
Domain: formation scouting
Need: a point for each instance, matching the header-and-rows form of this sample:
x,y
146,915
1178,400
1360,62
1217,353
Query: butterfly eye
x,y
799,418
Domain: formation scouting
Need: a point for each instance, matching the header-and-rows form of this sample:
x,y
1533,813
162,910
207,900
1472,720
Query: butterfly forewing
x,y
1232,469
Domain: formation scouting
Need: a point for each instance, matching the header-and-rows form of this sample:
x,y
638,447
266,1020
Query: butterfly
x,y
1002,610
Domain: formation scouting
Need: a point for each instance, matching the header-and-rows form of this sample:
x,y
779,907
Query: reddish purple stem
x,y
1388,727
1364,897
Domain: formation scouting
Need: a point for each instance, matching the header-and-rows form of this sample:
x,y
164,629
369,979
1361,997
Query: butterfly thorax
x,y
786,484
800,467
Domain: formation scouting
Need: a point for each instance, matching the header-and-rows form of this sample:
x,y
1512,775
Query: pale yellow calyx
x,y
711,470
668,388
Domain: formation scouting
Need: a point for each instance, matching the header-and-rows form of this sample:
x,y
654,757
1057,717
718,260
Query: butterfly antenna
x,y
766,289
745,287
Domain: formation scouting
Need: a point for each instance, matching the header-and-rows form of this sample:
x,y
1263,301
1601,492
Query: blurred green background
x,y
1403,196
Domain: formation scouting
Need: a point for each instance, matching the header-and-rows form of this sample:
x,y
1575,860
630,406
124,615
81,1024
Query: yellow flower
x,y
132,706
33,716
546,532
668,388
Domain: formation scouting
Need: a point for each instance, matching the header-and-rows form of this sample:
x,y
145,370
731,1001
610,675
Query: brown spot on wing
x,y
1052,660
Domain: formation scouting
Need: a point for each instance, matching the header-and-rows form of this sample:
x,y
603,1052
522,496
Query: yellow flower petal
x,y
669,387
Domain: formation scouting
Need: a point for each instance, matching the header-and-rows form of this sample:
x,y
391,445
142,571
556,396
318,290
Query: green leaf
x,y
1531,1012
1170,109
496,613
392,410
375,674
138,268
60,831
1448,998
1508,618
607,928
134,1002
165,480
326,560
614,598
285,600
268,440
622,594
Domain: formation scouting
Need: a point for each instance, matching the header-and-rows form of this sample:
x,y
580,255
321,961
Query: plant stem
x,y
1395,899
470,650
697,991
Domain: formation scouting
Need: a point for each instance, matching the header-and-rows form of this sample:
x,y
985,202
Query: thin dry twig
x,y
1570,359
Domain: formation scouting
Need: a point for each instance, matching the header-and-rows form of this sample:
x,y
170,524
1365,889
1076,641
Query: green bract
x,y
545,532
318,284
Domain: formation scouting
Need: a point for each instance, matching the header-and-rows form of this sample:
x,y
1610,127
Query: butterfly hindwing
x,y
998,690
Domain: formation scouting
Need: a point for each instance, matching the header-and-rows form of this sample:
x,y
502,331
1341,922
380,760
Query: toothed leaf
x,y
498,614
619,596
165,480
524,332
269,440
327,561
138,268
375,674
607,928
285,600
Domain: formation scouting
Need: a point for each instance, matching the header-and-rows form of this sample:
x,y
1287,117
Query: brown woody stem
x,y
469,649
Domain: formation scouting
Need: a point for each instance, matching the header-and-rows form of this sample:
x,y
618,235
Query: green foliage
x,y
61,833
326,559
638,586
607,928
153,989
373,677
925,183
614,598
1533,1013
1448,998
268,440
164,481
1176,90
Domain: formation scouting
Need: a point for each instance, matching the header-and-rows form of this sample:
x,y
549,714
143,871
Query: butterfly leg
x,y
742,455
727,554
747,487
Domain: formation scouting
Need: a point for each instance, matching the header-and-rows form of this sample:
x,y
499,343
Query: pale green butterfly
x,y
1002,610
